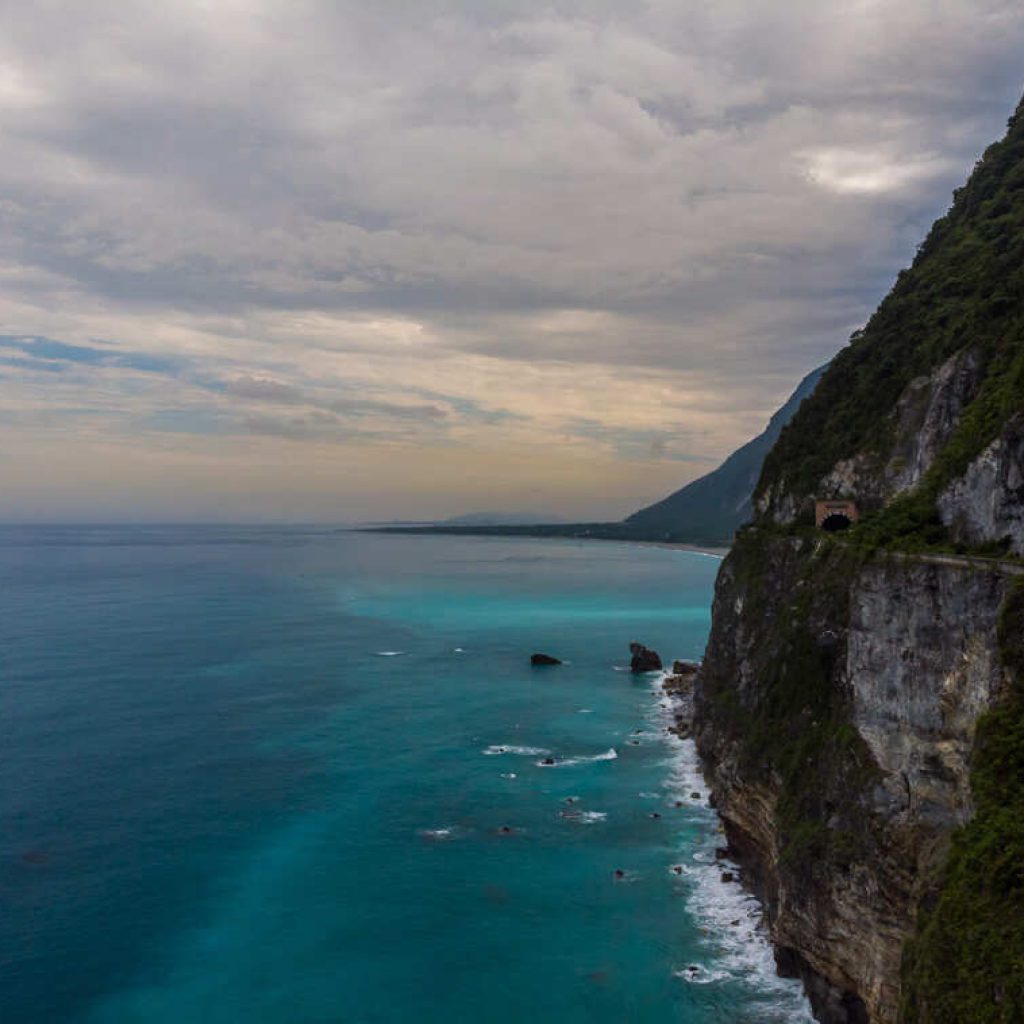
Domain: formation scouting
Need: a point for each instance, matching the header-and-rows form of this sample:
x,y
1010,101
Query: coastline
x,y
711,550
730,912
715,549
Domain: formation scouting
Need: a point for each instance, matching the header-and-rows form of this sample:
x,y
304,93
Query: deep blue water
x,y
222,801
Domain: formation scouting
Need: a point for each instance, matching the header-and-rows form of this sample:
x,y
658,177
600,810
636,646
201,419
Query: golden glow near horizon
x,y
344,261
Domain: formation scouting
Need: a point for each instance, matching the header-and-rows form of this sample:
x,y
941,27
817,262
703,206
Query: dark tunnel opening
x,y
836,521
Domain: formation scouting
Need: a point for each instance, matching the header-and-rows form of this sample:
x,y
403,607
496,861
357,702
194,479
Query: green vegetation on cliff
x,y
775,718
965,290
795,726
966,962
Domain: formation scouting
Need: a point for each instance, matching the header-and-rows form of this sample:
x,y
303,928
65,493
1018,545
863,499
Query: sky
x,y
341,261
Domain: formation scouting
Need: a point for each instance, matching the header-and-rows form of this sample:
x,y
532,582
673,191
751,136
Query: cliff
x,y
861,705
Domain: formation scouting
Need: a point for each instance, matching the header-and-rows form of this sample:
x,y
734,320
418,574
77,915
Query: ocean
x,y
296,776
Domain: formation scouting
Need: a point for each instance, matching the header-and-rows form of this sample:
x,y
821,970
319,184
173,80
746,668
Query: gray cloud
x,y
719,193
259,389
523,157
262,390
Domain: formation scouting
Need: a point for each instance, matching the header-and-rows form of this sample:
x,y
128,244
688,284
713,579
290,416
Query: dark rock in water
x,y
685,668
721,852
643,659
678,686
543,659
728,876
695,796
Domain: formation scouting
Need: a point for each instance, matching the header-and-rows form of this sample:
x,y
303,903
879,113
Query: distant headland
x,y
705,513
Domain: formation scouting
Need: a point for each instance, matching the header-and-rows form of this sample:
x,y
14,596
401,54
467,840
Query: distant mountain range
x,y
502,519
714,505
706,511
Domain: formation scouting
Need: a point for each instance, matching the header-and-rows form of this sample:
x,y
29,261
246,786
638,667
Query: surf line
x,y
735,944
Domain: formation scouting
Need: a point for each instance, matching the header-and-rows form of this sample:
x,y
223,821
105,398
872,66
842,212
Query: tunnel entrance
x,y
835,515
835,522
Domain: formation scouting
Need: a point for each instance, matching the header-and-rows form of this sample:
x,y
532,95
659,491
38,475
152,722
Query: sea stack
x,y
643,659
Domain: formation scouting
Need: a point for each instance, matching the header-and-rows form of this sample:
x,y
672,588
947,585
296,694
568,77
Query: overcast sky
x,y
345,260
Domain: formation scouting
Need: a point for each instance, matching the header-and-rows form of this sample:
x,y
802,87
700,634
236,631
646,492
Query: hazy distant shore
x,y
577,531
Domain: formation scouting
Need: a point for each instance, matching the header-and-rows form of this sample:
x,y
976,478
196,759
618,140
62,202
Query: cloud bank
x,y
348,260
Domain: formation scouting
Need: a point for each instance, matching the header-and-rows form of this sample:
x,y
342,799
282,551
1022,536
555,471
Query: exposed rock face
x,y
927,414
987,503
835,712
643,659
922,423
922,666
685,668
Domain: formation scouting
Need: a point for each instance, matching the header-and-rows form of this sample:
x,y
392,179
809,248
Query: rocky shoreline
x,y
731,910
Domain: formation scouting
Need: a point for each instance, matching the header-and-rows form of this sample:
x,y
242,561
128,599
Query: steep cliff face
x,y
836,714
922,665
861,703
986,504
926,417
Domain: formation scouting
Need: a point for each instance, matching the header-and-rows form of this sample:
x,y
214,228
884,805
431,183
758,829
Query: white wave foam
x,y
439,834
388,654
585,711
697,975
584,817
508,775
609,755
497,749
736,946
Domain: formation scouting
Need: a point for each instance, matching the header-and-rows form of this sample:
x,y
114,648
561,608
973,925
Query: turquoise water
x,y
285,775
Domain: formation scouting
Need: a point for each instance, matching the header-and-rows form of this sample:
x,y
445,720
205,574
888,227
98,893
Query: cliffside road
x,y
961,561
